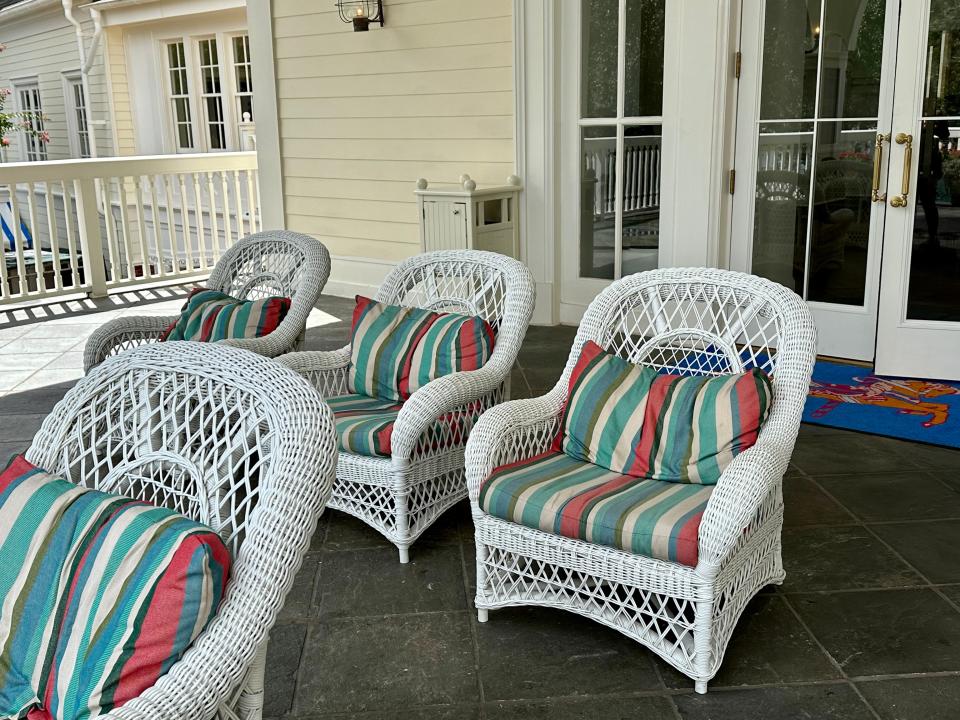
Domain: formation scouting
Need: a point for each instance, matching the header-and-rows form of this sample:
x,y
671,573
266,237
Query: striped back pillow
x,y
105,595
453,343
383,338
210,315
396,350
660,427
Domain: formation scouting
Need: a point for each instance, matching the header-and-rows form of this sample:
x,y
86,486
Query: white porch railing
x,y
641,174
72,226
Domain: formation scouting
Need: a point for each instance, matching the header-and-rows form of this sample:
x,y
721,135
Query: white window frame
x,y
196,97
31,149
77,126
234,86
222,95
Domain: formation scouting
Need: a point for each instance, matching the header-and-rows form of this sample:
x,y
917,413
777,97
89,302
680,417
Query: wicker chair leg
x,y
702,640
483,615
700,686
400,500
250,702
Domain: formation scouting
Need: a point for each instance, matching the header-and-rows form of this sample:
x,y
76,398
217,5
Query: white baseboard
x,y
351,276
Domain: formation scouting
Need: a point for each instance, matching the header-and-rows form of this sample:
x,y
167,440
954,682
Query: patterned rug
x,y
853,398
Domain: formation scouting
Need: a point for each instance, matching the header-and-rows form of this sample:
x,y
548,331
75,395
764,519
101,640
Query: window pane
x,y
641,198
853,56
643,91
791,42
246,107
781,205
598,75
598,146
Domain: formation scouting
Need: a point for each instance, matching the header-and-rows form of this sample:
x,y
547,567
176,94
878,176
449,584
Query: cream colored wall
x,y
363,115
44,46
119,87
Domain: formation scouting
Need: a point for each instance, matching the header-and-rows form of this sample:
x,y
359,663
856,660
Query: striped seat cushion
x,y
683,429
396,350
561,495
100,594
364,424
210,315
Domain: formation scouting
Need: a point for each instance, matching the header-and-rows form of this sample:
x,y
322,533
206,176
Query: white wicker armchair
x,y
273,262
227,438
402,495
688,321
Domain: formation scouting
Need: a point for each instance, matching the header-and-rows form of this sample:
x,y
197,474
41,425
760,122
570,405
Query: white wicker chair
x,y
273,262
230,439
690,321
402,495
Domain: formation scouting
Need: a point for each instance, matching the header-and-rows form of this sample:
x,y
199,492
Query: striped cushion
x,y
683,429
210,315
395,350
101,594
383,338
560,495
453,343
364,424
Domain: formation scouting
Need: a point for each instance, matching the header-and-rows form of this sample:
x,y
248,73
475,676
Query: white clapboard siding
x,y
363,115
44,45
120,92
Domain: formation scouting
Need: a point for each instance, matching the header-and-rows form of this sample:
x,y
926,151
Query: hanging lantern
x,y
361,13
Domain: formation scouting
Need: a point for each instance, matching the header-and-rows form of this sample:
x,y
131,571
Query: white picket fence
x,y
111,223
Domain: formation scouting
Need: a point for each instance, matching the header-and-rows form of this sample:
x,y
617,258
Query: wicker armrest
x,y
509,432
325,370
123,333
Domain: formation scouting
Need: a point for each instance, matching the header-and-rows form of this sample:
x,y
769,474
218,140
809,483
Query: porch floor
x,y
867,624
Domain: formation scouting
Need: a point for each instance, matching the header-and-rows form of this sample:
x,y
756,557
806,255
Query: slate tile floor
x,y
867,624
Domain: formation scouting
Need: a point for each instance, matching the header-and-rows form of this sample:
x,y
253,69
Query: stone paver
x,y
867,624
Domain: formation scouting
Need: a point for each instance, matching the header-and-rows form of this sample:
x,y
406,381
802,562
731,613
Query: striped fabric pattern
x,y
561,495
682,429
383,338
104,596
210,315
453,343
364,424
396,350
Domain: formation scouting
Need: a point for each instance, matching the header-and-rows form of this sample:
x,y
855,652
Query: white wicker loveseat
x,y
686,321
227,438
273,262
402,495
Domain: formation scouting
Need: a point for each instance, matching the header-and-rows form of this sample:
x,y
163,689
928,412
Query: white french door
x,y
813,118
918,333
612,120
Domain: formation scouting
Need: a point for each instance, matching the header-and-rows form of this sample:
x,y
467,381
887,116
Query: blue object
x,y
8,222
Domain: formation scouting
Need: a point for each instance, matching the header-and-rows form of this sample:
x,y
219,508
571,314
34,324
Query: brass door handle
x,y
876,195
900,200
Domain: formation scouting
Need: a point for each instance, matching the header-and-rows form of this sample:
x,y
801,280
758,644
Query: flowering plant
x,y
29,122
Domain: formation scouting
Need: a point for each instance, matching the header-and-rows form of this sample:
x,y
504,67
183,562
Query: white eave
x,y
12,12
124,12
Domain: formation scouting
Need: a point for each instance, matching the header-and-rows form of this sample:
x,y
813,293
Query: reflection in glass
x,y
934,290
643,62
641,198
598,151
840,231
852,46
781,205
791,41
598,72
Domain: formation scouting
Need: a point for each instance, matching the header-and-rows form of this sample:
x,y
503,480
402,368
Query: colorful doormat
x,y
853,398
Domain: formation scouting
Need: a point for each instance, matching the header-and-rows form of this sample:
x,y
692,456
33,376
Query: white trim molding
x,y
260,28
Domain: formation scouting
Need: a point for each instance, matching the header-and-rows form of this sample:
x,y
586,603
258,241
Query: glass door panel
x,y
806,141
613,126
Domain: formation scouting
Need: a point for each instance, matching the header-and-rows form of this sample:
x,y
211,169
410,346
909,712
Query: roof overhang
x,y
21,9
125,12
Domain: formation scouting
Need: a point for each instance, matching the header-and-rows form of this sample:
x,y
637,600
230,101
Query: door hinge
x,y
737,62
732,183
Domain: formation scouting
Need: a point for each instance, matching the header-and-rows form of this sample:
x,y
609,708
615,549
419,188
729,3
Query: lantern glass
x,y
360,12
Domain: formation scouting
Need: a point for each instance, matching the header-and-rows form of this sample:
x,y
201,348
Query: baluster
x,y
18,240
158,243
185,215
237,197
250,204
225,197
148,270
198,214
256,184
91,244
54,238
212,203
127,246
69,211
4,287
103,190
35,242
171,221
